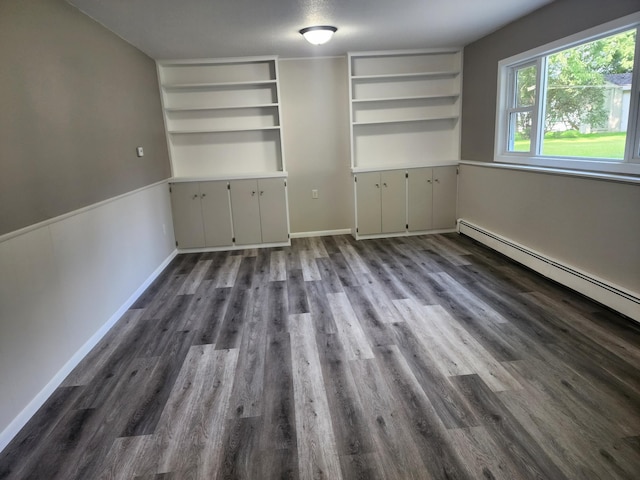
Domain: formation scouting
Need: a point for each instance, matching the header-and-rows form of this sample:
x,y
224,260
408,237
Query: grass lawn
x,y
597,145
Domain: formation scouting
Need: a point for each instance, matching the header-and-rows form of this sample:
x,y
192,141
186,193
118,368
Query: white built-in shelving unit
x,y
222,119
405,137
404,108
222,116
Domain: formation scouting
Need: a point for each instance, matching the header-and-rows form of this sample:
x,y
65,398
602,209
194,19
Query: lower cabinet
x,y
445,197
259,209
222,213
432,197
201,214
407,200
381,202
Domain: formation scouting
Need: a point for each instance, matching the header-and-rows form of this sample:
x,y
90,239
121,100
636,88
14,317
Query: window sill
x,y
592,166
635,180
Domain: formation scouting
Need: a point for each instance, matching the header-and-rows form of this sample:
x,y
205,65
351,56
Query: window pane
x,y
520,132
587,98
525,86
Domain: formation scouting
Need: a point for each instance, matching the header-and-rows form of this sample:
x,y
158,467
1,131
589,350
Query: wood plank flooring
x,y
425,357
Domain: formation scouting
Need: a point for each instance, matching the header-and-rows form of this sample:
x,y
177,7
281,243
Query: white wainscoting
x,y
64,283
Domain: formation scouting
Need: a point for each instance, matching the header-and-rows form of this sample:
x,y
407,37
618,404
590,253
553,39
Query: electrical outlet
x,y
314,193
139,151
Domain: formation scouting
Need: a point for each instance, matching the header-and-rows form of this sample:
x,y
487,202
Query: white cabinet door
x,y
187,215
393,201
445,187
420,205
216,214
368,203
273,210
245,210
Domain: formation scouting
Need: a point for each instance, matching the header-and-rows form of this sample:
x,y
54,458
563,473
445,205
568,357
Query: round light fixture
x,y
318,35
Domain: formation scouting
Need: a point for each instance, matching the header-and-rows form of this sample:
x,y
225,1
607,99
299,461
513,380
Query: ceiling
x,y
175,29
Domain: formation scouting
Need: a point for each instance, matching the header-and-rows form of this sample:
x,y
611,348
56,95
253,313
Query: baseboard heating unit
x,y
606,293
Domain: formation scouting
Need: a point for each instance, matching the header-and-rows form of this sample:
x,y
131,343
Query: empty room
x,y
338,240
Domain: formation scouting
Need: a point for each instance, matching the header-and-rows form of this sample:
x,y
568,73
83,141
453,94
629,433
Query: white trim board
x,y
406,233
556,171
601,291
232,248
49,221
38,401
321,233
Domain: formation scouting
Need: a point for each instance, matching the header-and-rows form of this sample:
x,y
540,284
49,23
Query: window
x,y
574,103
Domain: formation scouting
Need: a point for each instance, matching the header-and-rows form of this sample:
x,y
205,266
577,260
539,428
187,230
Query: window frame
x,y
505,106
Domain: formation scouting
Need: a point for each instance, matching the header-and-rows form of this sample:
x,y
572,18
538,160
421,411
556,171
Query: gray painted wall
x,y
315,107
552,22
76,101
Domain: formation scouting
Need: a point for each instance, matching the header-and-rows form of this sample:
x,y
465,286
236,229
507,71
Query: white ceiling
x,y
233,28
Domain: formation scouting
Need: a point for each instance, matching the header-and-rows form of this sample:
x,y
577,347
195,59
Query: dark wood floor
x,y
415,358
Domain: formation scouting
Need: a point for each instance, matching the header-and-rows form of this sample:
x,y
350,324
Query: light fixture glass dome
x,y
318,35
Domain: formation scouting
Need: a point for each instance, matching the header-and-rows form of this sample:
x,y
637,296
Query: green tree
x,y
615,54
575,80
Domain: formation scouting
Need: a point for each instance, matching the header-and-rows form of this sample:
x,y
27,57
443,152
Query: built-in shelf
x,y
222,120
237,176
222,116
448,73
230,107
196,86
406,120
404,107
221,130
402,99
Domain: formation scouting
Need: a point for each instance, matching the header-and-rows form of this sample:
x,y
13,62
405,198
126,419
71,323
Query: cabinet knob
x,y
377,185
253,192
385,185
429,181
261,192
195,196
437,180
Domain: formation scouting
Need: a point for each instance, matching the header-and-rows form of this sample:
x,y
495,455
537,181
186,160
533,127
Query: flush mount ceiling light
x,y
318,35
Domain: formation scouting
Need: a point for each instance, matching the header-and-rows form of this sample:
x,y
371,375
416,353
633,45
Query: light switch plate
x,y
140,151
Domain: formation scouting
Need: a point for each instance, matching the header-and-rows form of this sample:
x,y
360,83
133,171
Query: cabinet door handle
x,y
261,192
195,196
437,180
385,185
377,185
253,192
428,181
203,195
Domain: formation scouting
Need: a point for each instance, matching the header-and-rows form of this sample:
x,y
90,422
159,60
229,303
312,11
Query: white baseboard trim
x,y
358,236
231,248
321,233
613,296
34,405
